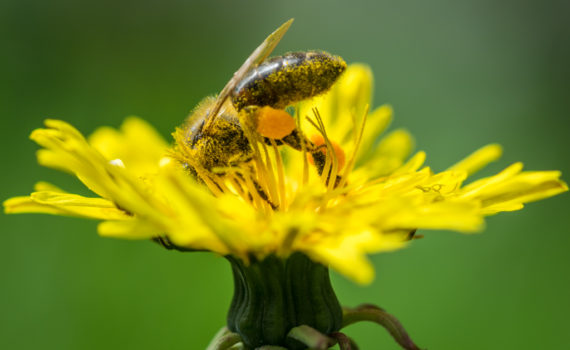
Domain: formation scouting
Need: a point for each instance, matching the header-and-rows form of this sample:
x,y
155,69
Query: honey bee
x,y
213,136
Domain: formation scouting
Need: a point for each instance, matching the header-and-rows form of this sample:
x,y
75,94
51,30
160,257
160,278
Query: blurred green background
x,y
459,74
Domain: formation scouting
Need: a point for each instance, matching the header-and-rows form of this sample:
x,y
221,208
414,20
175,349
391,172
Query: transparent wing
x,y
257,56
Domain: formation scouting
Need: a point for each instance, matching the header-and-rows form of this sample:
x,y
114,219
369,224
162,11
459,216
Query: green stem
x,y
224,340
344,342
377,315
311,337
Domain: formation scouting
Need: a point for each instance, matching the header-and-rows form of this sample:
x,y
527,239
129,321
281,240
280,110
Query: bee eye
x,y
274,123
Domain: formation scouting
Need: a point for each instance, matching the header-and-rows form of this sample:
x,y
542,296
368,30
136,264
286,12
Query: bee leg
x,y
260,191
319,160
263,195
296,139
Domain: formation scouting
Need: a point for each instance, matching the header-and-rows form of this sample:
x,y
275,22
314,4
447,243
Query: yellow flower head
x,y
368,195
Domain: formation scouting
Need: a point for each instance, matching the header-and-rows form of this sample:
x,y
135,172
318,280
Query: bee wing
x,y
257,56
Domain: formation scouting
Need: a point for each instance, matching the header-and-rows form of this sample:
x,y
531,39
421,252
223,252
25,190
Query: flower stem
x,y
224,340
377,315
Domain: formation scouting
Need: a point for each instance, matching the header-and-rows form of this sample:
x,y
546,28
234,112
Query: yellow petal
x,y
389,154
64,127
488,184
56,160
397,144
510,188
501,207
24,205
355,90
46,186
412,165
137,145
353,265
527,187
343,105
129,229
478,159
65,204
193,214
376,123
347,253
463,217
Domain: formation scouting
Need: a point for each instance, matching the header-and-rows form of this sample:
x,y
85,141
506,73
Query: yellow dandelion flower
x,y
330,191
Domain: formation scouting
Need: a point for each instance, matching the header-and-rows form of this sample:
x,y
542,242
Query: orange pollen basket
x,y
274,123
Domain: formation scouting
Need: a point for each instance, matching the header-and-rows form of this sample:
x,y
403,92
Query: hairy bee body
x,y
216,136
222,145
277,82
284,80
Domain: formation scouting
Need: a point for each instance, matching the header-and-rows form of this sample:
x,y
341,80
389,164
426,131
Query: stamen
x,y
261,173
280,176
330,156
271,184
332,178
239,184
331,166
250,191
321,132
357,142
255,190
305,174
235,187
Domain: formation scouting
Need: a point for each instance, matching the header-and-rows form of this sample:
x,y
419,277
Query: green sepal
x,y
274,295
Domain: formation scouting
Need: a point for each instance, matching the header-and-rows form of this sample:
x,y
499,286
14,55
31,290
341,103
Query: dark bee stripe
x,y
284,80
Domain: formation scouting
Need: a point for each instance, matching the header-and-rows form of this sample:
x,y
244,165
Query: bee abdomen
x,y
284,80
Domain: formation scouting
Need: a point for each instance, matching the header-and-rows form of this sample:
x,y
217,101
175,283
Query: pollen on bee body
x,y
319,140
274,123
